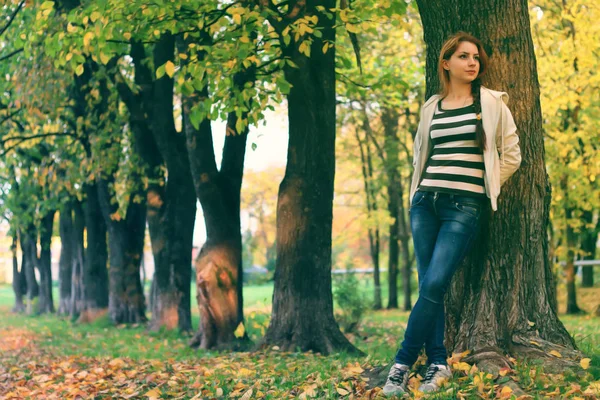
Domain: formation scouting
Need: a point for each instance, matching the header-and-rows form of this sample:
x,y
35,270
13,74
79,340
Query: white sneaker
x,y
397,381
435,377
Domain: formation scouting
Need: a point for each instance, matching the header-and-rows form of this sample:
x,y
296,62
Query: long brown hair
x,y
448,49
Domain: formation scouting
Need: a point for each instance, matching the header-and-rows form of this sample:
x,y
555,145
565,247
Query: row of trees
x,y
107,119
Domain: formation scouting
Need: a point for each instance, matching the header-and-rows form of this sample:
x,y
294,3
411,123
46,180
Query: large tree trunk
x,y
126,302
175,208
19,281
29,262
302,316
219,263
171,202
502,299
65,263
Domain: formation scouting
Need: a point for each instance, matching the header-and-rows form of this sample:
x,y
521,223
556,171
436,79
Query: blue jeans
x,y
443,228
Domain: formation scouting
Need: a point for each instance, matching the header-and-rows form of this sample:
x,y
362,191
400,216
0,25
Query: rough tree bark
x,y
65,263
503,299
219,263
302,316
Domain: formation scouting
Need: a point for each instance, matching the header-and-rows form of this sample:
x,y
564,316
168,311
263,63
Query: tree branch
x,y
9,55
12,18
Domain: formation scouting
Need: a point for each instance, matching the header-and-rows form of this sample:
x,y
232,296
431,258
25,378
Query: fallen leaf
x,y
585,363
153,394
342,392
555,353
505,392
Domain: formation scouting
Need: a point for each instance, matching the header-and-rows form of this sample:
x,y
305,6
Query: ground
x,y
50,357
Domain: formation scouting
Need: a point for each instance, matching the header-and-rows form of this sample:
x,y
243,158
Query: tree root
x,y
492,361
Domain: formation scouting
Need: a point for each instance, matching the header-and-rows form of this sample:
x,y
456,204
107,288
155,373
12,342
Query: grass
x,y
55,357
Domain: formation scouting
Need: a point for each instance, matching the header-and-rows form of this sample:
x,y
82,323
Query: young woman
x,y
465,148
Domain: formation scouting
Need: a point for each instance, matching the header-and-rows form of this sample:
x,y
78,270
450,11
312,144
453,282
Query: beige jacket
x,y
502,156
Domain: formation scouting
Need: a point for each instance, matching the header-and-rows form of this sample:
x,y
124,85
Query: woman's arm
x,y
508,146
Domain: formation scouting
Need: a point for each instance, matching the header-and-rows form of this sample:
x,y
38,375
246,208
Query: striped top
x,y
456,163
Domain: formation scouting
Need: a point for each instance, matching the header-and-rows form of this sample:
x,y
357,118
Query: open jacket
x,y
502,156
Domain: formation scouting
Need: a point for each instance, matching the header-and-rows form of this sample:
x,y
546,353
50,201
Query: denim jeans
x,y
443,229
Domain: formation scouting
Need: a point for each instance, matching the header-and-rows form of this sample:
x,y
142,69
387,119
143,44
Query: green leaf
x,y
47,5
160,72
79,70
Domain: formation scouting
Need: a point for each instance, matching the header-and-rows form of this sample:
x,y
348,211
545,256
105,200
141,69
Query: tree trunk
x,y
589,237
65,262
572,307
29,261
372,208
503,297
173,208
18,283
302,316
219,264
171,203
389,119
46,302
126,244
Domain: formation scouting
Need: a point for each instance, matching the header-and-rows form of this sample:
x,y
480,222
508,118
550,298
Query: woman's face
x,y
463,65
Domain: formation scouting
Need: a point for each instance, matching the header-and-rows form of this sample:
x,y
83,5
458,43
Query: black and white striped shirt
x,y
456,162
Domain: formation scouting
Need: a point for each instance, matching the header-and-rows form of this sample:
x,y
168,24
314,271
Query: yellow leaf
x,y
244,39
153,394
506,392
504,371
237,18
104,58
94,16
462,366
239,332
170,68
556,353
585,363
127,35
87,38
71,28
219,392
342,392
79,70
